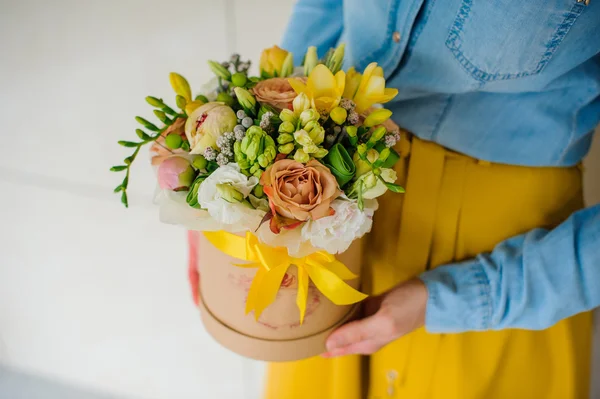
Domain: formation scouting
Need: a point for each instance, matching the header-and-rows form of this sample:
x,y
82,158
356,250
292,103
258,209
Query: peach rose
x,y
298,192
276,92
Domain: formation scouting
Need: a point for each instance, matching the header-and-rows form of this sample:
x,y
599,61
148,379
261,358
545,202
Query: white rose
x,y
335,233
229,212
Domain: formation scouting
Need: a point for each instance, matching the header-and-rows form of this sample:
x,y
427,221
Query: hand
x,y
389,317
193,275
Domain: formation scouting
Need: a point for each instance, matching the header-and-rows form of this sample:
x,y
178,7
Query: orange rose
x,y
276,92
298,192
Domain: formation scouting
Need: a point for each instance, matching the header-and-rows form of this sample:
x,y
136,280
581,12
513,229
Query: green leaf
x,y
185,145
340,164
125,181
118,168
128,160
124,199
118,188
128,143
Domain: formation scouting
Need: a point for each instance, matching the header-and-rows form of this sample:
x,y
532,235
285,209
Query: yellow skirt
x,y
455,207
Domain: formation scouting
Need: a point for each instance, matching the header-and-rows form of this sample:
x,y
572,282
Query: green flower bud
x,y
161,116
370,181
310,126
317,135
146,124
286,148
173,141
384,154
335,61
246,100
301,156
239,79
199,162
141,134
202,98
219,70
308,115
288,65
258,191
254,168
180,101
372,155
338,115
302,138
228,193
351,130
263,161
377,135
320,153
310,148
285,138
225,98
310,60
287,115
361,149
155,102
286,127
377,117
301,103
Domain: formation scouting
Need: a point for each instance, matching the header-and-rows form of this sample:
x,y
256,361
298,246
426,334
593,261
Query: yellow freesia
x,y
352,81
323,88
369,88
276,61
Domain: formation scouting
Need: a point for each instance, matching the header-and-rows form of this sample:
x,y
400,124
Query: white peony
x,y
335,233
229,212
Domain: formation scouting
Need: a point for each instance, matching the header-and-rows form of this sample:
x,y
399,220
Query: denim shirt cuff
x,y
459,298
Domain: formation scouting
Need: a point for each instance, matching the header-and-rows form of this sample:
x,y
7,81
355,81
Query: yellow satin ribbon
x,y
327,273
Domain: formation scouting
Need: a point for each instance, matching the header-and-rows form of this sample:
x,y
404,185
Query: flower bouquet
x,y
280,172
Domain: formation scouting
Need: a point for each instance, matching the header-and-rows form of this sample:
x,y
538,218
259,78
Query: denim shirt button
x,y
396,36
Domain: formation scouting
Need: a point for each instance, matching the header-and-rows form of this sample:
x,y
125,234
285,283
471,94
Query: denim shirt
x,y
515,82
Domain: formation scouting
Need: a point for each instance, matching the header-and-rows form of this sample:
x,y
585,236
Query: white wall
x,y
92,294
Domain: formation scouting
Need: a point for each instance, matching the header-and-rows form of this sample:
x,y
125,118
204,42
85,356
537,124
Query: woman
x,y
491,239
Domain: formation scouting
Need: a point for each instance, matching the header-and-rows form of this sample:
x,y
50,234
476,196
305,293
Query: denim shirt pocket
x,y
509,39
370,43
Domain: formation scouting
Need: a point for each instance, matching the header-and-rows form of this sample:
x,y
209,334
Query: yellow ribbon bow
x,y
327,273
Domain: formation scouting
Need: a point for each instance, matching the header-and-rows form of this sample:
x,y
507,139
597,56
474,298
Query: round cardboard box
x,y
277,335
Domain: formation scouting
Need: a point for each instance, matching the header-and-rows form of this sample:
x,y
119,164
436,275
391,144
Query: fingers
x,y
392,315
361,336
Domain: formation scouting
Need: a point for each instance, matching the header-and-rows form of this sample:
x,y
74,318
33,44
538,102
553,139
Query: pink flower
x,y
175,173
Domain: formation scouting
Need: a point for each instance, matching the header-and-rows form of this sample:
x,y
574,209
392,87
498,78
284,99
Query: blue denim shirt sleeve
x,y
313,23
530,281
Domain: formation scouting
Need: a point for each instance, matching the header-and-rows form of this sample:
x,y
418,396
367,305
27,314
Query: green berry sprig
x,y
167,116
